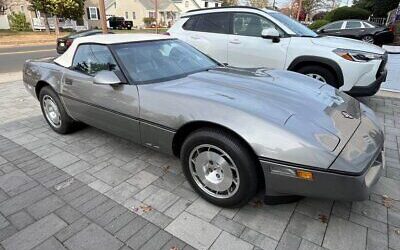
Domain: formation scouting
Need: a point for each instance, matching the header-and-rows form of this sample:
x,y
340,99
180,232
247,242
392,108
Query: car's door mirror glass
x,y
106,77
270,33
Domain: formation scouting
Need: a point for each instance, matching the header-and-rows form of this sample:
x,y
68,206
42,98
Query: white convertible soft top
x,y
66,58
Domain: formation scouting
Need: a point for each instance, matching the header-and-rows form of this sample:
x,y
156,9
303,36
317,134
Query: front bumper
x,y
371,89
350,177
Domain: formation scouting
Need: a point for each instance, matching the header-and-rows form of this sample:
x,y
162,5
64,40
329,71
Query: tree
x,y
71,9
18,22
379,8
229,3
44,6
312,6
259,3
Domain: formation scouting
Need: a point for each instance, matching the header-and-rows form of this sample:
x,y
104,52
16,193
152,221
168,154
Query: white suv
x,y
248,37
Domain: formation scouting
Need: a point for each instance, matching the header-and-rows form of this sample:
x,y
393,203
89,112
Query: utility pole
x,y
102,10
156,14
299,10
273,4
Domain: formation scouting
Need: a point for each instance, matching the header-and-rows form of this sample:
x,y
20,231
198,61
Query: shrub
x,y
347,13
148,20
318,24
18,22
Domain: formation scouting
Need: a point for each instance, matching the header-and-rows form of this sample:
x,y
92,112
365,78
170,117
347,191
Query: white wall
x,y
4,25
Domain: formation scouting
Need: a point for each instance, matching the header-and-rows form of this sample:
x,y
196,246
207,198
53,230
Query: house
x,y
90,20
186,5
136,10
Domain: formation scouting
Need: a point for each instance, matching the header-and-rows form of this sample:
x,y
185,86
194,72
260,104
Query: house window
x,y
206,4
22,8
93,15
187,4
216,4
133,15
152,14
126,15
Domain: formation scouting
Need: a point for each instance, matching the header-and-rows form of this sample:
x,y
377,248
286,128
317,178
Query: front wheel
x,y
319,73
368,39
219,167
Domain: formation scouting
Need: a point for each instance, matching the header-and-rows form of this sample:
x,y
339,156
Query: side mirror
x,y
271,33
321,31
106,77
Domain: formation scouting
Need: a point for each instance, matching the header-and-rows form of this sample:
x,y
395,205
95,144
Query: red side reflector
x,y
69,42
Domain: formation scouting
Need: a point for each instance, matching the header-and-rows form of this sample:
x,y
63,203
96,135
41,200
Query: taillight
x,y
391,28
69,42
166,33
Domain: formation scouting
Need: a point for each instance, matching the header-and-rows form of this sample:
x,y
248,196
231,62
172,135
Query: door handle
x,y
195,37
235,41
68,81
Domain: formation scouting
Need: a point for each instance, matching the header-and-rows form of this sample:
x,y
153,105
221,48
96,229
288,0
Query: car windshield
x,y
155,61
293,25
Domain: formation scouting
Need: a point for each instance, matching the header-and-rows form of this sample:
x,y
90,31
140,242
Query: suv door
x,y
114,108
246,47
209,34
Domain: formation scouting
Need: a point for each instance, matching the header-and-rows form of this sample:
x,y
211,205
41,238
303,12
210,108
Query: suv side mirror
x,y
271,33
106,77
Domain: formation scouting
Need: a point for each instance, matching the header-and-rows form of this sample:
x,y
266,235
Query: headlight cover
x,y
356,55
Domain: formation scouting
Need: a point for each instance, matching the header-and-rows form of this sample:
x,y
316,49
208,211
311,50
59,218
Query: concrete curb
x,y
10,77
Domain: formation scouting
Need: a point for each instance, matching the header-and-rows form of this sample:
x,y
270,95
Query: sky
x,y
281,3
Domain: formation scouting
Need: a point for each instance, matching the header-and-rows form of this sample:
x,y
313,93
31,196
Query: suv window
x,y
334,26
92,58
213,23
191,23
245,24
353,24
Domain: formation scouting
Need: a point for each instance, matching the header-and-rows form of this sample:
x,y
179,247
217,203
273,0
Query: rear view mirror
x,y
271,33
106,77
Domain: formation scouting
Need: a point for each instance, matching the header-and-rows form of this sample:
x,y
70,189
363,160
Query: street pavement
x,y
12,58
93,190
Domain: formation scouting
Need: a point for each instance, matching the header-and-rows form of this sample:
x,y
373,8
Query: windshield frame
x,y
274,15
125,71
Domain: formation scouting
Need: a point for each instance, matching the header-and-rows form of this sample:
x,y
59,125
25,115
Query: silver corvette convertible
x,y
236,131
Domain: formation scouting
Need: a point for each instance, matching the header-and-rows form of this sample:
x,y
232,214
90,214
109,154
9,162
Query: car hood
x,y
347,43
289,99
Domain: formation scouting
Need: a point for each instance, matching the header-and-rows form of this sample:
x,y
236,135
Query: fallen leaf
x,y
257,203
397,231
166,168
387,201
146,208
323,218
64,184
174,248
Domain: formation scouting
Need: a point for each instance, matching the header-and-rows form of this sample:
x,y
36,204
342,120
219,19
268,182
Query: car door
x,y
114,108
209,34
353,29
332,29
246,47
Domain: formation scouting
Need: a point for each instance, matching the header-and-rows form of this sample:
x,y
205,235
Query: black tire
x,y
242,157
369,39
67,123
329,77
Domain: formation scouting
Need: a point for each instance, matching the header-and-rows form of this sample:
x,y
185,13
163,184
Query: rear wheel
x,y
319,73
54,112
368,39
219,167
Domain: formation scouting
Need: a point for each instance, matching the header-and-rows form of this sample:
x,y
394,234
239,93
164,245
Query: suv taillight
x,y
69,42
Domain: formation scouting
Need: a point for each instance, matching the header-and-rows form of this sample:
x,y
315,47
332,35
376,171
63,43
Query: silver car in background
x,y
234,130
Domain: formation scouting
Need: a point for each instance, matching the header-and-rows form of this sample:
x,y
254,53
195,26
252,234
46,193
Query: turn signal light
x,y
305,175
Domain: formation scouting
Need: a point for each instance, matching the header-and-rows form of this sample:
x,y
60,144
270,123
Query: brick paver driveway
x,y
92,190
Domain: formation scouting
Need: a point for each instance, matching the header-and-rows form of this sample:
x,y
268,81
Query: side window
x,y
245,24
213,23
191,23
334,26
368,25
91,58
353,25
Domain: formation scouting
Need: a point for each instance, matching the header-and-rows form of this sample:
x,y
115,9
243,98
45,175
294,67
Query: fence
x,y
39,24
378,20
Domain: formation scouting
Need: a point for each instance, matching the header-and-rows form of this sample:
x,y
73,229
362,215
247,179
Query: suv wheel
x,y
319,73
219,167
368,39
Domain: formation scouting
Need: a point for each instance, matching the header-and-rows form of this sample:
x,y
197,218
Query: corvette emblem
x,y
347,115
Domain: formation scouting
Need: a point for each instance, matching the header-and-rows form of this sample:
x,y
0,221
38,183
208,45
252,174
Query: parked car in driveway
x,y
119,23
359,29
249,37
233,129
63,43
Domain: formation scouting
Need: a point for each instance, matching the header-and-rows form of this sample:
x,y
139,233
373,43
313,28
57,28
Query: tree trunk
x,y
56,26
46,23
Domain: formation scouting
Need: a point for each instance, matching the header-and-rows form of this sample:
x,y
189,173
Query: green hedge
x,y
317,24
18,22
347,13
